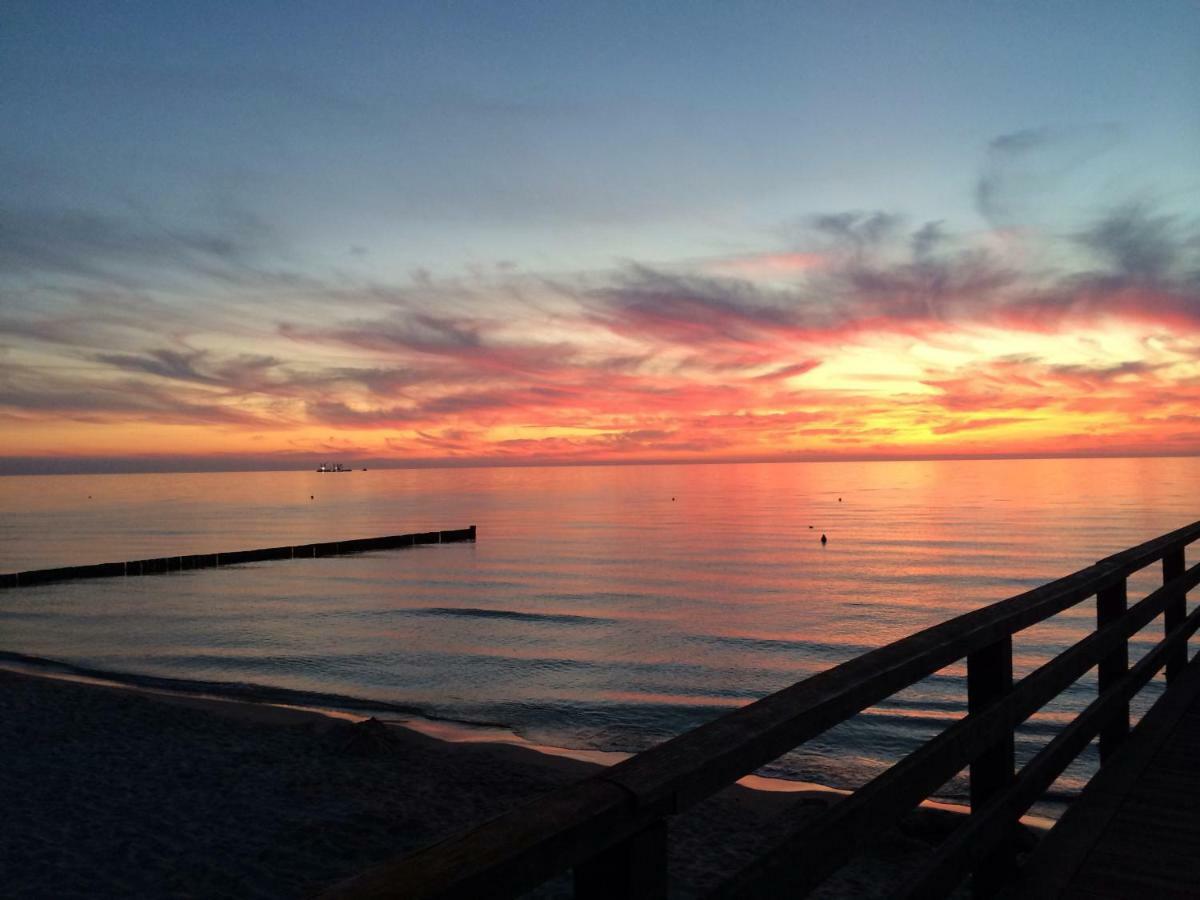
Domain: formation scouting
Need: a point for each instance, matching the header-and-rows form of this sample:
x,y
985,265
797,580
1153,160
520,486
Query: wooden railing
x,y
611,829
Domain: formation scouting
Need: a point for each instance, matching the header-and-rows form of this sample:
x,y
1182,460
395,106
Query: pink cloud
x,y
768,265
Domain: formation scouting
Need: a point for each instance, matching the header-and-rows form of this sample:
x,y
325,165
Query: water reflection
x,y
604,608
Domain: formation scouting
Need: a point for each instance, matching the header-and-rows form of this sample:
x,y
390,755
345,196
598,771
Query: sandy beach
x,y
110,792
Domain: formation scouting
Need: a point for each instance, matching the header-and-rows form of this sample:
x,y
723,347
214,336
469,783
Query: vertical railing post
x,y
1175,612
1111,603
636,868
989,678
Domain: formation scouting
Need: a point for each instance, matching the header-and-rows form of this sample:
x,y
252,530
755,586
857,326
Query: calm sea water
x,y
601,608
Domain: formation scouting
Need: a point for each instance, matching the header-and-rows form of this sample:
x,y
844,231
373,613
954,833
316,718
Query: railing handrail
x,y
532,843
819,848
953,855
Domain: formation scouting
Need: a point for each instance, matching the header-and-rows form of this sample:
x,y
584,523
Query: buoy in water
x,y
824,539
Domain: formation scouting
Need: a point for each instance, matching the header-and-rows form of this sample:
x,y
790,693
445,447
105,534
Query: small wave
x,y
475,613
610,598
819,649
228,690
32,615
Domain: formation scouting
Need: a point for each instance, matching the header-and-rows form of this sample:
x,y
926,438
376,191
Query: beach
x,y
111,792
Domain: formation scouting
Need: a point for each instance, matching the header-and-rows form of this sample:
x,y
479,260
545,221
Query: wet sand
x,y
109,792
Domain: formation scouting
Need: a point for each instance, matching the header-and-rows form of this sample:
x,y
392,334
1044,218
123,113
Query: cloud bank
x,y
867,335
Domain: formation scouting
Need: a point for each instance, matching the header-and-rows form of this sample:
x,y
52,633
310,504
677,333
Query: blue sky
x,y
571,135
245,185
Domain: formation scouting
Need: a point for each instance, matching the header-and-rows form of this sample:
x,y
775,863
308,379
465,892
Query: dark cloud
x,y
122,401
241,373
1028,164
690,309
936,284
454,405
1136,243
122,251
333,412
1149,273
381,381
925,240
163,363
420,332
1004,152
857,231
923,284
952,286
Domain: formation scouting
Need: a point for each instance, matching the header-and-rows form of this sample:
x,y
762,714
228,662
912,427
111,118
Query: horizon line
x,y
18,466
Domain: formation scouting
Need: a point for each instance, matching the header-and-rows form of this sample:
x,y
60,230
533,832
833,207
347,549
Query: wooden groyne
x,y
163,564
611,829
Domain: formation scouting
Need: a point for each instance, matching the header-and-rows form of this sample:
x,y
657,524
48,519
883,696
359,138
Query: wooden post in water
x,y
1175,611
233,557
1111,603
989,679
635,869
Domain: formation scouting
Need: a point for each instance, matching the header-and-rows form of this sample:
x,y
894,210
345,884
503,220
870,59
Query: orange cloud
x,y
859,349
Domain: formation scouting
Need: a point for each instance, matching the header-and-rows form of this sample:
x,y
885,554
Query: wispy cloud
x,y
1022,167
867,333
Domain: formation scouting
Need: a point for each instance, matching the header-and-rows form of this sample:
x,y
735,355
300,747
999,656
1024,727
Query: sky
x,y
252,234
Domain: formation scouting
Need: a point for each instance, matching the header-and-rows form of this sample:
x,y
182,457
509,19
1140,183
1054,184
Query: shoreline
x,y
114,791
446,730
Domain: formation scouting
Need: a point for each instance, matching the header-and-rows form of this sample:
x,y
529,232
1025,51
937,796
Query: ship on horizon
x,y
332,467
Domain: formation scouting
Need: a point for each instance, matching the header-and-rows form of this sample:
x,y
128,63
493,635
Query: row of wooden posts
x,y
611,829
163,564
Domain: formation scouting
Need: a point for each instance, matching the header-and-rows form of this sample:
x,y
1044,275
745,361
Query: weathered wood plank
x,y
1173,565
989,681
1111,603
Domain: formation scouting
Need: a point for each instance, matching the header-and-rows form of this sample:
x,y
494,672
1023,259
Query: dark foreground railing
x,y
162,564
612,828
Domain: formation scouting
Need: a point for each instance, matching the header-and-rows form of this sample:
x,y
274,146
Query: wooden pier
x,y
162,564
611,829
1135,830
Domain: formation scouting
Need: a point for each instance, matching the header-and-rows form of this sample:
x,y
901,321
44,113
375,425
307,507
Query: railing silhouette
x,y
611,828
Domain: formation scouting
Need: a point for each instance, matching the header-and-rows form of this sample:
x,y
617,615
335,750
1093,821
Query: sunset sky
x,y
258,234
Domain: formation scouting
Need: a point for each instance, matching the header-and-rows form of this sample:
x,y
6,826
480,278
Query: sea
x,y
601,608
